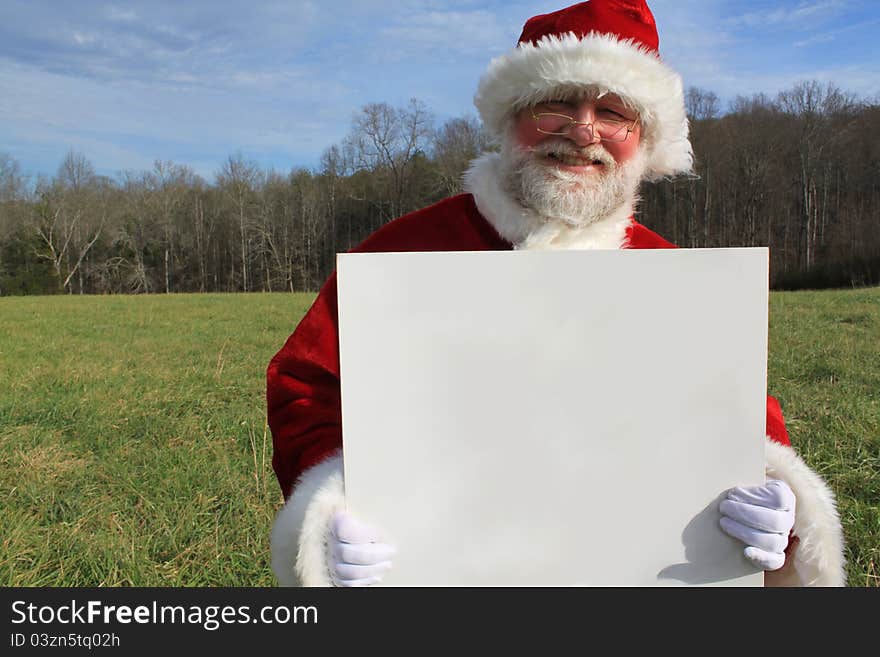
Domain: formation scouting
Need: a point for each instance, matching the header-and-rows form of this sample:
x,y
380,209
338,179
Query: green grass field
x,y
134,449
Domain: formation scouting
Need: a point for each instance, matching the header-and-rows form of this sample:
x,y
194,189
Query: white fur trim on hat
x,y
526,229
299,534
819,559
531,73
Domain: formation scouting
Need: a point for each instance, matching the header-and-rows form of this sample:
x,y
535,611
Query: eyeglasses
x,y
550,123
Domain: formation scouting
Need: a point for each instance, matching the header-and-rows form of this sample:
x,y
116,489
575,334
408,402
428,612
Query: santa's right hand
x,y
358,555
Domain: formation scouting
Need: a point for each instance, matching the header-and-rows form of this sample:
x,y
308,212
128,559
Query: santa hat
x,y
607,44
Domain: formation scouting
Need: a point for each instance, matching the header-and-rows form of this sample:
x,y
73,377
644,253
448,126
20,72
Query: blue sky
x,y
127,83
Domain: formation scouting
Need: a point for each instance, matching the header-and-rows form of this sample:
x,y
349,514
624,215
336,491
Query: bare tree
x,y
202,231
70,216
134,234
12,201
822,113
275,228
386,142
456,144
168,184
13,195
240,179
13,183
701,104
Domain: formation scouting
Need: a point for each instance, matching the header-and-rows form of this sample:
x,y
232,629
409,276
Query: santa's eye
x,y
613,115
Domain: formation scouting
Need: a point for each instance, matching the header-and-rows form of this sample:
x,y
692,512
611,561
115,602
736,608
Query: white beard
x,y
564,196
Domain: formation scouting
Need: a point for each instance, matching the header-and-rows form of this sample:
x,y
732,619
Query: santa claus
x,y
583,109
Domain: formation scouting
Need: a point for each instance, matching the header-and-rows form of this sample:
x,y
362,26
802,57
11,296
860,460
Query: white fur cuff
x,y
299,535
819,559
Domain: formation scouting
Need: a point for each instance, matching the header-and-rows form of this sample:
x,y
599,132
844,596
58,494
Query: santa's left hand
x,y
762,518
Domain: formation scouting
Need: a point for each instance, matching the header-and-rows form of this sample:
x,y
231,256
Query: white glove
x,y
357,556
761,517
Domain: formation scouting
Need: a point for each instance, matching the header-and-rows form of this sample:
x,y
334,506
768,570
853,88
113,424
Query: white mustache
x,y
594,152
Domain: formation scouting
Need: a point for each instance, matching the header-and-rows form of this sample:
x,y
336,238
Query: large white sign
x,y
554,418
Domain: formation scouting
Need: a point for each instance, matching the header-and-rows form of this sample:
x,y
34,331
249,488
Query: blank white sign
x,y
554,418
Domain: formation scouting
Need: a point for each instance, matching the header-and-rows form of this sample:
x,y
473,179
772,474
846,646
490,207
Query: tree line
x,y
797,173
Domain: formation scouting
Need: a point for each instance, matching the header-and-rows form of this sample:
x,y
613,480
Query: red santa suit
x,y
303,388
604,46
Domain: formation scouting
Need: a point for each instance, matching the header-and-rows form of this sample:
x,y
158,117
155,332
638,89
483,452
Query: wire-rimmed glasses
x,y
607,129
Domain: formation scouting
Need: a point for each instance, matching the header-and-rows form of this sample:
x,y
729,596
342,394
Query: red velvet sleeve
x,y
303,394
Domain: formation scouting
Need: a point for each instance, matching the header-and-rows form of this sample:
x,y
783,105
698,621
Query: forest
x,y
797,173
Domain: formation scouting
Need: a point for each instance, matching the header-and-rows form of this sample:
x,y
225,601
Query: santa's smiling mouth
x,y
575,160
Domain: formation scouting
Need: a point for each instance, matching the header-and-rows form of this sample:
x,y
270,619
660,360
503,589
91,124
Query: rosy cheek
x,y
624,150
524,131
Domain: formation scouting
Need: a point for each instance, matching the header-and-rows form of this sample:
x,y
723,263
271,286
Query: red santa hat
x,y
610,45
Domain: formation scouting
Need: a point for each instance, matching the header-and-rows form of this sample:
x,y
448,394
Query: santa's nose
x,y
583,128
583,133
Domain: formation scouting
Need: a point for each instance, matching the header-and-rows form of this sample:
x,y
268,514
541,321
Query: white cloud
x,y
806,14
827,36
83,39
467,33
121,15
813,40
111,121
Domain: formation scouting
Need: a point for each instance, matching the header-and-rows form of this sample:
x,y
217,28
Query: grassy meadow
x,y
134,449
